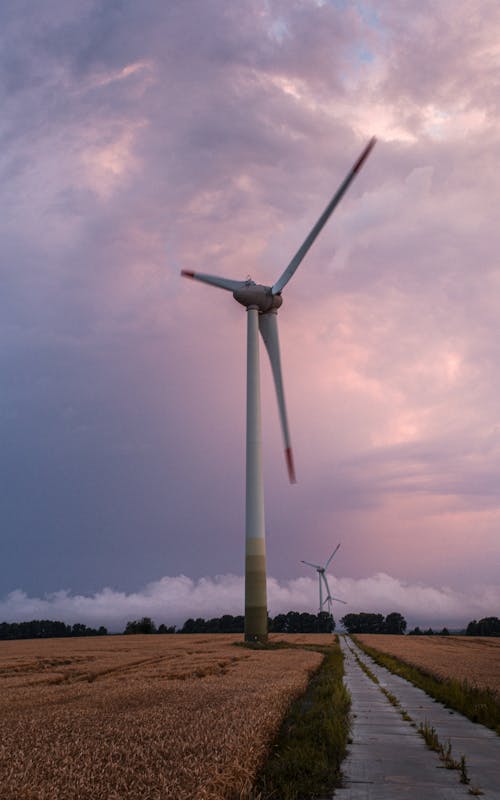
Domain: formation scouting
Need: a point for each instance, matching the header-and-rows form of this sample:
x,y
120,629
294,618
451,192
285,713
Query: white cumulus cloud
x,y
173,599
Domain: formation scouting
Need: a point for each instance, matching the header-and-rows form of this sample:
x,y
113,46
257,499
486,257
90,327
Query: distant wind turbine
x,y
322,579
262,304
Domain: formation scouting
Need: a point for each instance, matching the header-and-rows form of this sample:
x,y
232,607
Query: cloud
x,y
175,599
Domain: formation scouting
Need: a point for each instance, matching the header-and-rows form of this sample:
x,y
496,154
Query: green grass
x,y
304,760
479,705
428,732
274,645
391,697
366,669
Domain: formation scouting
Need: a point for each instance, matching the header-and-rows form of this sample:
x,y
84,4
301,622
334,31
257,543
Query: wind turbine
x,y
262,304
322,579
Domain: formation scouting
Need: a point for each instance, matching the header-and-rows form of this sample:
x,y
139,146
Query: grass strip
x,y
366,669
429,734
479,705
304,760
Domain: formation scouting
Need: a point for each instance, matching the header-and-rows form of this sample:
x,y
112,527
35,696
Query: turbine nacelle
x,y
258,296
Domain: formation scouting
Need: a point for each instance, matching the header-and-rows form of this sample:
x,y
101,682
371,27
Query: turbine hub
x,y
254,294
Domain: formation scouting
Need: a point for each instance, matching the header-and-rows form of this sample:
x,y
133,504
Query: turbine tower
x,y
262,304
322,579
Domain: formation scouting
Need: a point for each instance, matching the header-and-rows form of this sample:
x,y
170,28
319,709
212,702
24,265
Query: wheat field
x,y
475,659
176,717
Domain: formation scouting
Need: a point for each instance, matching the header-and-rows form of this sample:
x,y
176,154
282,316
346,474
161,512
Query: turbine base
x,y
256,624
261,638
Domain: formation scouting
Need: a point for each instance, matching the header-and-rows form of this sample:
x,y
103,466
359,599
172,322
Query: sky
x,y
139,139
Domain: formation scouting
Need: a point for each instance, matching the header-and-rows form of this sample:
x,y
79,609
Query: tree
x,y
230,624
166,629
488,626
45,629
394,623
302,622
292,622
78,629
326,623
374,623
144,625
278,624
363,623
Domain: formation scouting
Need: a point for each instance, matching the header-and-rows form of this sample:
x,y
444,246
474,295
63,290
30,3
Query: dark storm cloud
x,y
139,139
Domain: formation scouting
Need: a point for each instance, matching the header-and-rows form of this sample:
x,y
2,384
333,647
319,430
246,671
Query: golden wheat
x,y
140,717
472,658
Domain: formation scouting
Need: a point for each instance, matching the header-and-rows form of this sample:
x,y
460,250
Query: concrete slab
x,y
389,759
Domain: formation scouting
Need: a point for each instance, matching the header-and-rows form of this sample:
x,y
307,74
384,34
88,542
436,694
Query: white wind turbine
x,y
262,304
322,579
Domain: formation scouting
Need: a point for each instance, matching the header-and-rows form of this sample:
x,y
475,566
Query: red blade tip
x,y
187,273
289,463
364,155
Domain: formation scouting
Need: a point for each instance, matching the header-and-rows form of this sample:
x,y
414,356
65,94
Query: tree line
x,y
429,632
292,622
46,629
374,623
396,624
488,626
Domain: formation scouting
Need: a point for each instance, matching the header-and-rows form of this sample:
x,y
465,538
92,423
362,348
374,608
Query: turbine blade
x,y
326,584
309,241
268,326
213,280
311,565
330,596
332,555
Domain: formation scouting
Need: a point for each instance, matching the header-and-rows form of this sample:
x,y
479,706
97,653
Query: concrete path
x,y
389,760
